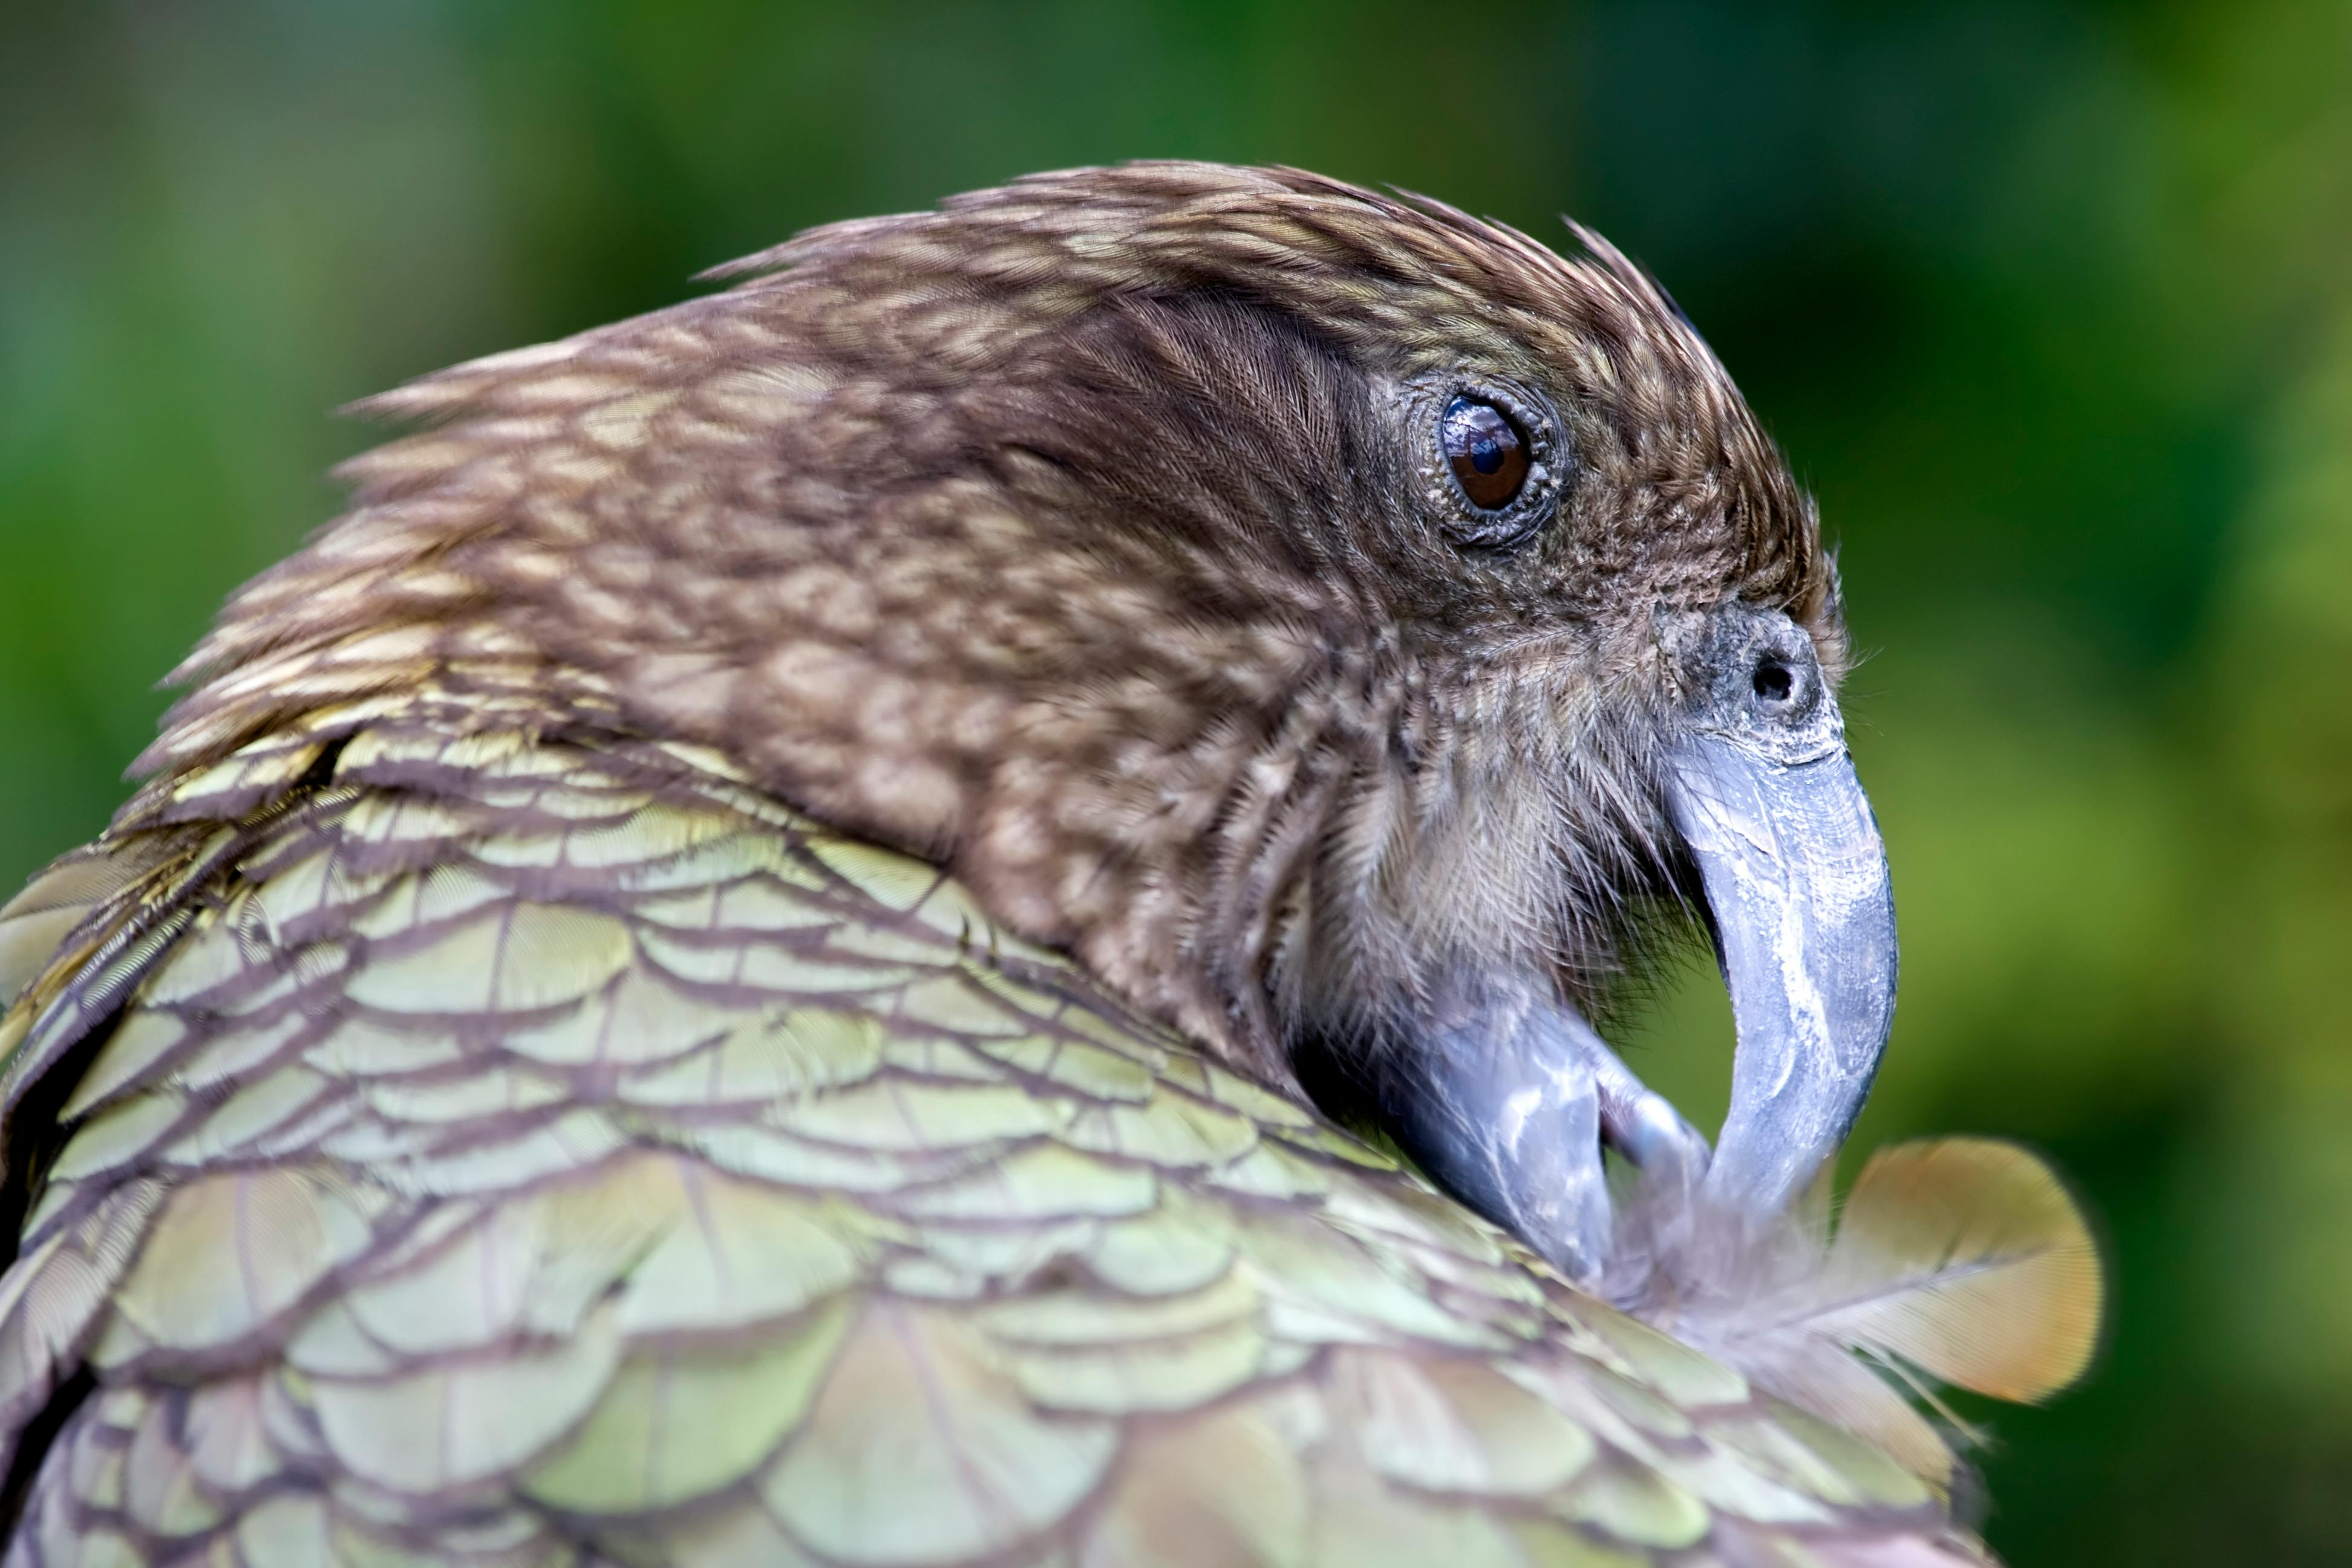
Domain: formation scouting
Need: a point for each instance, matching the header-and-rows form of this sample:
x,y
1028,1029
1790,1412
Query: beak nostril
x,y
1773,683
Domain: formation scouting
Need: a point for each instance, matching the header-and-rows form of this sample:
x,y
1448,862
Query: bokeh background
x,y
2051,303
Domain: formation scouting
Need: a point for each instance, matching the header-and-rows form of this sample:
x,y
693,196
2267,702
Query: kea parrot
x,y
943,908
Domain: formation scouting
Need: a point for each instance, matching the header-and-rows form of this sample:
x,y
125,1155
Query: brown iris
x,y
1487,451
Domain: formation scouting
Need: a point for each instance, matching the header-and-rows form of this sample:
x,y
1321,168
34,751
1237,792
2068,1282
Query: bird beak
x,y
1795,877
1508,1095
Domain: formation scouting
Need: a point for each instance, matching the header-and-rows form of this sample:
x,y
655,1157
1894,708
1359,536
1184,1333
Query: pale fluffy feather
x,y
1954,1262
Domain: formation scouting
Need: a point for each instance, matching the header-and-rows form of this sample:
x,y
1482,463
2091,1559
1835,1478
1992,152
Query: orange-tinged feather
x,y
1968,1259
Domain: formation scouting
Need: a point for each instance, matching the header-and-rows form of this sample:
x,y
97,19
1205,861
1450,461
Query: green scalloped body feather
x,y
486,1150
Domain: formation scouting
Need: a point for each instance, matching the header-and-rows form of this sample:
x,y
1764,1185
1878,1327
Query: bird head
x,y
1343,624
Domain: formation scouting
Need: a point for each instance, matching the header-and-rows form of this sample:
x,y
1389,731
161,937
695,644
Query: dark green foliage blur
x,y
2051,303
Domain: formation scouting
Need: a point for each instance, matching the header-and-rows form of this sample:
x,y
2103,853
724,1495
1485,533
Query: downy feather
x,y
1954,1262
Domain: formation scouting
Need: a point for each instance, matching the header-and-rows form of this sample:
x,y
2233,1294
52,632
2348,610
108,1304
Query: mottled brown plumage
x,y
719,973
1068,534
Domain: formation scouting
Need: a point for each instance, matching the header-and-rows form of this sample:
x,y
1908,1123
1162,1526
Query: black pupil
x,y
1488,453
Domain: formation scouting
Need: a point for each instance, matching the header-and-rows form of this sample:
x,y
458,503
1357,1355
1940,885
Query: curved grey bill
x,y
1796,877
1504,1112
1510,1097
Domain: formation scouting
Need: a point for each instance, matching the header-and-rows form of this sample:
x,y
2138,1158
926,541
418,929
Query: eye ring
x,y
1491,455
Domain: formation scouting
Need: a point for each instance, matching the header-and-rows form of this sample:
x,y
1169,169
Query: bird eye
x,y
1486,450
1492,456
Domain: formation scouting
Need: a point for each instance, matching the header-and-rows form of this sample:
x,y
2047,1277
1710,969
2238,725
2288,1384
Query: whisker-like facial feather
x,y
1081,534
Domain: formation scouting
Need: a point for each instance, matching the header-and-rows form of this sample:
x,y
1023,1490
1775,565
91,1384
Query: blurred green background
x,y
2051,303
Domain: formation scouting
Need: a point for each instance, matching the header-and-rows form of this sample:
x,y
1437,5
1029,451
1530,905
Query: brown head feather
x,y
1071,534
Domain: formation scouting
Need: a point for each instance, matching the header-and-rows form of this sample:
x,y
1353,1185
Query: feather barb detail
x,y
1958,1262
